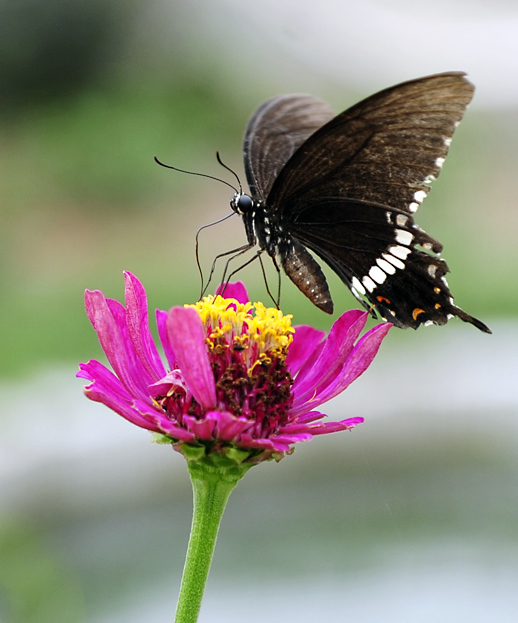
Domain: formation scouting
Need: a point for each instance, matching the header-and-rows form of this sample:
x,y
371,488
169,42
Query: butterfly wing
x,y
348,192
403,279
386,149
273,134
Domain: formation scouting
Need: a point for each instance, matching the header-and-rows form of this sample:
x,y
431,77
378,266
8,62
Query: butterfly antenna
x,y
218,157
211,177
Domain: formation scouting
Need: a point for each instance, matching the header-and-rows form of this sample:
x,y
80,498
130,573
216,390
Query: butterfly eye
x,y
242,204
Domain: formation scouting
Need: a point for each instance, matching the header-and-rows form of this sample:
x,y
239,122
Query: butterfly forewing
x,y
385,150
273,134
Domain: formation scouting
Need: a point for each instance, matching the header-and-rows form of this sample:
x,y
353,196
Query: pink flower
x,y
239,381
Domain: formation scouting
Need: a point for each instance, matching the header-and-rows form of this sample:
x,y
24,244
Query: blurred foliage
x,y
51,49
35,587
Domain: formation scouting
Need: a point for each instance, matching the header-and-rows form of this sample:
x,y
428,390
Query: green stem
x,y
212,487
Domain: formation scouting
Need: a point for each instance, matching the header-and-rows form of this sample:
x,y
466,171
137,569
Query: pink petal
x,y
230,426
187,337
359,360
108,318
162,422
137,321
247,441
161,323
305,341
234,290
138,372
169,429
162,387
99,393
290,439
307,417
202,429
323,428
108,389
96,371
337,348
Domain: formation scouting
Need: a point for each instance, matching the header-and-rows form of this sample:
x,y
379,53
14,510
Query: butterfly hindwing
x,y
399,274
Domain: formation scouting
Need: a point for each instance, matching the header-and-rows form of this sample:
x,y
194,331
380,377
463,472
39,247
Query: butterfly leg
x,y
276,301
234,253
226,279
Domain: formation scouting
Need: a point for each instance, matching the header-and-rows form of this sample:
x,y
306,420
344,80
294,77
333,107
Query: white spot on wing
x,y
419,195
357,285
401,220
377,274
439,162
368,283
404,237
401,252
386,266
432,269
394,261
447,142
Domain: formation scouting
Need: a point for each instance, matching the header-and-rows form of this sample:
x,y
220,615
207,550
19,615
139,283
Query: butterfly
x,y
347,187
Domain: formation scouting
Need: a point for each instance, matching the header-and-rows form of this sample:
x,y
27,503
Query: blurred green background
x,y
93,519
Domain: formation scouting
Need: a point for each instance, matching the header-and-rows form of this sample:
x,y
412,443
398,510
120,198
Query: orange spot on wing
x,y
416,312
382,299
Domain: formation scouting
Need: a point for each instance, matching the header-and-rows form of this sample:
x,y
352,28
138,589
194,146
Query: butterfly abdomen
x,y
305,273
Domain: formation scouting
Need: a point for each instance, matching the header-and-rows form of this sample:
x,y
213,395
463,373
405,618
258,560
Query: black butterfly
x,y
347,187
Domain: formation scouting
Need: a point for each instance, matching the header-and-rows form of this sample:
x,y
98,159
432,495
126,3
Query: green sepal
x,y
218,467
163,439
192,453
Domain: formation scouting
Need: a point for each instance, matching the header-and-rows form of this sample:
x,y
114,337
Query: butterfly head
x,y
242,204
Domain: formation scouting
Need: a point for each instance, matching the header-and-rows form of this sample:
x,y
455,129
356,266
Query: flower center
x,y
248,344
247,347
251,328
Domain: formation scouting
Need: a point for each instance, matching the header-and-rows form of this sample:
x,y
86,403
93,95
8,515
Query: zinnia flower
x,y
240,381
241,386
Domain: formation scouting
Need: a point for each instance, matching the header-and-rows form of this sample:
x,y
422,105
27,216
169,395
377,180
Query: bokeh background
x,y
413,516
